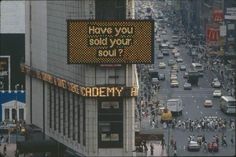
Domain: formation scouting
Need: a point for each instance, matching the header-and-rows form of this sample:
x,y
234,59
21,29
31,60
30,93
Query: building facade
x,y
12,41
88,125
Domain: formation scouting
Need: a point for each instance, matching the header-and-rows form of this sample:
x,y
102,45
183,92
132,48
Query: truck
x,y
175,106
193,77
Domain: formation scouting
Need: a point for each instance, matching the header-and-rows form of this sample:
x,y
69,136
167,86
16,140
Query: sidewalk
x,y
10,149
158,151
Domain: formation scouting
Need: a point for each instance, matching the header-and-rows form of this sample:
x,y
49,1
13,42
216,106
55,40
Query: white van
x,y
175,106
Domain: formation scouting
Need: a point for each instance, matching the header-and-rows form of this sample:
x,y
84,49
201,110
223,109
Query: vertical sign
x,y
218,15
5,73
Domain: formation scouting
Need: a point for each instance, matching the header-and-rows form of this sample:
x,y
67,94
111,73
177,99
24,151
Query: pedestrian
x,y
232,140
162,143
224,143
217,139
175,152
5,150
172,141
151,148
7,139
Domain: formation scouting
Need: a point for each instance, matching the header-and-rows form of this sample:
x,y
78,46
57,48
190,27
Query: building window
x,y
78,118
84,122
64,112
50,106
14,114
59,110
7,114
54,109
110,123
68,114
21,114
73,117
110,9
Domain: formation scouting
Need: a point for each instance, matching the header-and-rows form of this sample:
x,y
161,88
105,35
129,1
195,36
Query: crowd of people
x,y
204,124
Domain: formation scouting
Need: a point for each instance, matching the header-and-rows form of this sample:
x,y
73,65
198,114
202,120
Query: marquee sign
x,y
97,91
110,42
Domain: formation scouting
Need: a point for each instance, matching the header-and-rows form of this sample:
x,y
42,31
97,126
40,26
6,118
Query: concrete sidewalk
x,y
10,149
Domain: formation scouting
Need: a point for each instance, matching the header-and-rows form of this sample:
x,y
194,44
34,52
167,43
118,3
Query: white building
x,y
91,126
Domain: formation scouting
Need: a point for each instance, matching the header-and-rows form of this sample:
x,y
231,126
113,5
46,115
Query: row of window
x,y
66,113
110,123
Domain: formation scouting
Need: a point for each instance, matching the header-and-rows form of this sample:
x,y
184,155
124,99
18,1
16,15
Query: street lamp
x,y
16,119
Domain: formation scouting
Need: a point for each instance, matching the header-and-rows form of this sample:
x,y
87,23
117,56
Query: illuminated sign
x,y
213,34
218,15
5,73
110,42
98,91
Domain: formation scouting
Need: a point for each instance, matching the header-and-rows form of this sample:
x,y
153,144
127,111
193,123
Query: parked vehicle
x,y
228,104
208,103
217,93
193,146
175,106
187,86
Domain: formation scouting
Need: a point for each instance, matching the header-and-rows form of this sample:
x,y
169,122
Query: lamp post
x,y
16,119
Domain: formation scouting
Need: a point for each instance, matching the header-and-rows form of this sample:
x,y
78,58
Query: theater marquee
x,y
110,42
97,91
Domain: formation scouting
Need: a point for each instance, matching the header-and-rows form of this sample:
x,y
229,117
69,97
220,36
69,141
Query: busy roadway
x,y
194,98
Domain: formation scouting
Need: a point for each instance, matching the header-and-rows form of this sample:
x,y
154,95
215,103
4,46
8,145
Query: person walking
x,y
5,150
162,143
151,148
175,151
232,140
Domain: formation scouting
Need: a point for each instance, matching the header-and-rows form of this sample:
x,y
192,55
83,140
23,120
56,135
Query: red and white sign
x,y
218,15
213,34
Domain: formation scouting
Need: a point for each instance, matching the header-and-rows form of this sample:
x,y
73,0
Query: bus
x,y
198,67
228,104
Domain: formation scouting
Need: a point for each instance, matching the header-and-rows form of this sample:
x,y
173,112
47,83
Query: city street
x,y
193,100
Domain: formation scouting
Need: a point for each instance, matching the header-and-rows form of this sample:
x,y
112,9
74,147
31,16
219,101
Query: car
x,y
217,93
171,62
174,67
182,67
162,65
175,50
155,81
193,146
171,46
187,86
161,76
163,32
158,40
185,75
173,76
216,84
177,54
208,103
160,56
174,83
165,52
179,60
